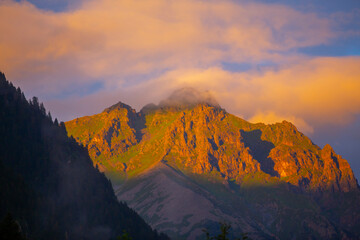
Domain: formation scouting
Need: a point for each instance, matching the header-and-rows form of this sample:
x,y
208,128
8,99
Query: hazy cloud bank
x,y
139,51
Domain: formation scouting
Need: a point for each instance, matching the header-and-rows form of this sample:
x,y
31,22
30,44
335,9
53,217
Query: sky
x,y
265,61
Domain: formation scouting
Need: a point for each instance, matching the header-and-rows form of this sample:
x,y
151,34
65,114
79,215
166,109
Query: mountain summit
x,y
187,164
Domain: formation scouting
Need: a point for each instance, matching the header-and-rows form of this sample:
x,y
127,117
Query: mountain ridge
x,y
251,133
224,156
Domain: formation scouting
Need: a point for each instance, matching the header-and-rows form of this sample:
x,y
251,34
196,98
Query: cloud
x,y
271,117
148,48
309,93
115,40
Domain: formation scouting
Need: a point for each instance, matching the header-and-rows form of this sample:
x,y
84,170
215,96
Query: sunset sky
x,y
265,61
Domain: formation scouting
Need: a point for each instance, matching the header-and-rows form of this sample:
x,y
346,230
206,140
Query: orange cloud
x,y
309,93
271,117
119,38
178,43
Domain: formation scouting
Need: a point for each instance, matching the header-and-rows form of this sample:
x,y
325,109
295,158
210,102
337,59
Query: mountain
x,y
48,184
187,164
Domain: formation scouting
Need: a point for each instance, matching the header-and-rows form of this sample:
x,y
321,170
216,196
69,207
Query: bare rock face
x,y
202,147
108,134
337,170
265,179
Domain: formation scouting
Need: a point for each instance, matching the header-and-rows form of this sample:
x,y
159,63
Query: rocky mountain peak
x,y
119,105
328,148
328,152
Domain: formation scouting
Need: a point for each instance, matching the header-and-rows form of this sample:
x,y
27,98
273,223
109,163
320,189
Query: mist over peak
x,y
189,97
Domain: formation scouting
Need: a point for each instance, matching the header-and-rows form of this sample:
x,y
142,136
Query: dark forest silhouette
x,y
48,183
